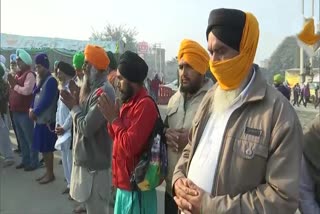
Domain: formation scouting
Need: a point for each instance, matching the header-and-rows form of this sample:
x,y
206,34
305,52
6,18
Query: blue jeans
x,y
24,127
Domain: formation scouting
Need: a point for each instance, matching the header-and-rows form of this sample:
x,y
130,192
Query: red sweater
x,y
19,102
130,134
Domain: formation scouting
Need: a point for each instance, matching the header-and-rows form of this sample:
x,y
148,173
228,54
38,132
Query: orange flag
x,y
308,39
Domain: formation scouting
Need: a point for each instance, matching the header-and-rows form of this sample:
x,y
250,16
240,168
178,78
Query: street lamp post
x,y
301,49
158,58
160,61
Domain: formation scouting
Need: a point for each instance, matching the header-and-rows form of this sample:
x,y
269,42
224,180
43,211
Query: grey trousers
x,y
5,142
98,201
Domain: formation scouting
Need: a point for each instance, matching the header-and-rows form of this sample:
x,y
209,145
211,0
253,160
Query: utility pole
x,y
160,61
155,57
312,15
301,49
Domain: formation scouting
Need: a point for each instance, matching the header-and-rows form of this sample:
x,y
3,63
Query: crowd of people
x,y
298,94
236,146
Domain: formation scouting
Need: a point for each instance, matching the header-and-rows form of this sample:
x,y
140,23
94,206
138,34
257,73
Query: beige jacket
x,y
259,160
180,113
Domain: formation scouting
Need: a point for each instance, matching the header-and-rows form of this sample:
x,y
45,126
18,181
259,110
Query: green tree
x,y
285,56
118,33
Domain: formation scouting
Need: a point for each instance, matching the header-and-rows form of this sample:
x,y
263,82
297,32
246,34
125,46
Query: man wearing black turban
x,y
227,25
137,113
65,73
244,150
133,70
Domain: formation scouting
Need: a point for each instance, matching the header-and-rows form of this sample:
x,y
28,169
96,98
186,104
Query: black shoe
x,y
60,162
18,151
29,169
66,191
20,166
42,161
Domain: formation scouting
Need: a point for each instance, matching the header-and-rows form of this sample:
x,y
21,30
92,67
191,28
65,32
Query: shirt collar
x,y
244,92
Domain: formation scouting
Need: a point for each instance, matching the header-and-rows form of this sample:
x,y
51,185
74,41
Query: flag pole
x,y
312,15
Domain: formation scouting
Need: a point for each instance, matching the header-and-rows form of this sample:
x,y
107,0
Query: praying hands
x,y
188,196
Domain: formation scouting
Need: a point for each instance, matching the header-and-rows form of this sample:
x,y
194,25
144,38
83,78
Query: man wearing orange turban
x,y
90,176
193,64
243,152
97,57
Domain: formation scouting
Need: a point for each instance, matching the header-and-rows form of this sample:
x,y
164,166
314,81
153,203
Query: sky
x,y
167,22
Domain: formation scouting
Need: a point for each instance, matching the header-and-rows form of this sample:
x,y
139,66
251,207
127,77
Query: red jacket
x,y
130,134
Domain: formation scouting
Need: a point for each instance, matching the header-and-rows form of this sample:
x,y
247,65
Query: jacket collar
x,y
258,88
139,95
97,83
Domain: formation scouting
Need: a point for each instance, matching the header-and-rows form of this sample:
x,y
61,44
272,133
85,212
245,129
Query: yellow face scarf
x,y
232,72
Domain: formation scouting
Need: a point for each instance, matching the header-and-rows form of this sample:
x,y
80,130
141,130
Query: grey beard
x,y
38,80
85,90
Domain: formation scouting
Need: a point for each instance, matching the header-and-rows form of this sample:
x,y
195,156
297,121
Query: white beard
x,y
85,89
38,80
222,99
60,85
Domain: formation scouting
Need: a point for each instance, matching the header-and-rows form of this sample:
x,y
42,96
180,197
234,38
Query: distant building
x,y
292,76
55,48
154,55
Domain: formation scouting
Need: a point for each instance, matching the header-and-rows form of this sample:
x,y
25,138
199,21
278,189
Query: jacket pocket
x,y
250,149
248,165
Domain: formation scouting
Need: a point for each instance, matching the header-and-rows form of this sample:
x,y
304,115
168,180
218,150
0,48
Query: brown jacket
x,y
311,151
259,160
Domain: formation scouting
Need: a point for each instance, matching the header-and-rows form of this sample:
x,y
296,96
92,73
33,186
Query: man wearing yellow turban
x,y
193,64
243,152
